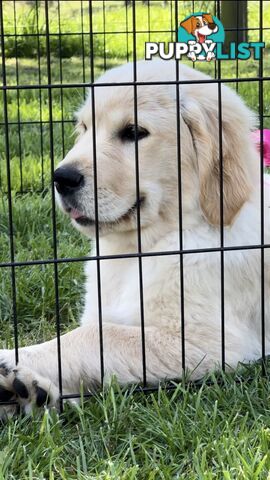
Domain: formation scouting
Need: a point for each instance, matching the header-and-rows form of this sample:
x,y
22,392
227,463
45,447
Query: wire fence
x,y
52,53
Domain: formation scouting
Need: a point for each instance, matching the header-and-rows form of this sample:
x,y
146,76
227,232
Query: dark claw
x,y
5,395
42,397
20,388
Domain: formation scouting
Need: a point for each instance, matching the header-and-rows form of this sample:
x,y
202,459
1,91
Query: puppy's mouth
x,y
81,219
201,37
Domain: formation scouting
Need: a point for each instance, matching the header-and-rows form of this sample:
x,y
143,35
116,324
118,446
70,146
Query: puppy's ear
x,y
188,24
238,154
208,18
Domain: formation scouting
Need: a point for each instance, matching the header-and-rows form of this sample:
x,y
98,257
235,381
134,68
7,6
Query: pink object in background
x,y
266,144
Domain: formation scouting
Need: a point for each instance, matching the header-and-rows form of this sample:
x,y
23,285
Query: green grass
x,y
209,433
35,284
73,16
212,432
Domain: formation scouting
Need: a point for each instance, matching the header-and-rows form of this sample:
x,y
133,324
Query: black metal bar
x,y
126,32
172,385
121,32
18,97
135,255
125,84
46,122
61,81
137,171
56,286
237,40
83,50
96,195
216,13
180,207
172,20
38,122
40,103
10,216
104,36
221,207
261,85
149,22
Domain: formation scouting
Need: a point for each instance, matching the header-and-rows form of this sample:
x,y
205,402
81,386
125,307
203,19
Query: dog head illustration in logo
x,y
200,26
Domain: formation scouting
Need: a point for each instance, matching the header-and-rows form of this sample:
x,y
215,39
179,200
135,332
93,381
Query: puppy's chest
x,y
126,289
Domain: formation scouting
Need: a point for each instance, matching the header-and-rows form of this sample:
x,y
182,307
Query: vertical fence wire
x,y
149,21
61,78
237,41
261,112
172,16
93,108
127,35
221,209
216,14
40,99
137,170
9,188
83,50
56,271
18,98
104,36
180,205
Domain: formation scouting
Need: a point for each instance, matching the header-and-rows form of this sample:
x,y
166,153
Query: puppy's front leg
x,y
34,381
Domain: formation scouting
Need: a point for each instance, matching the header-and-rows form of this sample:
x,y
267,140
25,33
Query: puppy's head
x,y
121,160
209,22
124,161
203,25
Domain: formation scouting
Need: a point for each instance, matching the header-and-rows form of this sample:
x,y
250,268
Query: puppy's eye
x,y
129,134
198,24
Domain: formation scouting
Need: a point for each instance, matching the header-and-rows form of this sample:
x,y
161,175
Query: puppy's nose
x,y
67,180
212,26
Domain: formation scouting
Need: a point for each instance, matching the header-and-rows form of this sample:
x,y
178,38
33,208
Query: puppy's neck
x,y
127,242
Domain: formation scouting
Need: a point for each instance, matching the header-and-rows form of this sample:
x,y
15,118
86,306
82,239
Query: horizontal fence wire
x,y
135,255
127,84
128,32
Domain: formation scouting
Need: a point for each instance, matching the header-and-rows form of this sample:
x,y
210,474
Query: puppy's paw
x,y
210,56
24,388
192,56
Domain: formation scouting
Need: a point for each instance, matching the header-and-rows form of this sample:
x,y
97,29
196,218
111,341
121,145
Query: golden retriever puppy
x,y
175,139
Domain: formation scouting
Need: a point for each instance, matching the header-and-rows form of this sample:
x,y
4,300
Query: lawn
x,y
212,432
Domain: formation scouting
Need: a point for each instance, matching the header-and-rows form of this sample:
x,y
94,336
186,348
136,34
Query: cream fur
x,y
158,164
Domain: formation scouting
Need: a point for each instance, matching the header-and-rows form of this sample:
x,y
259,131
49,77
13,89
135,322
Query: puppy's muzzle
x,y
68,180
